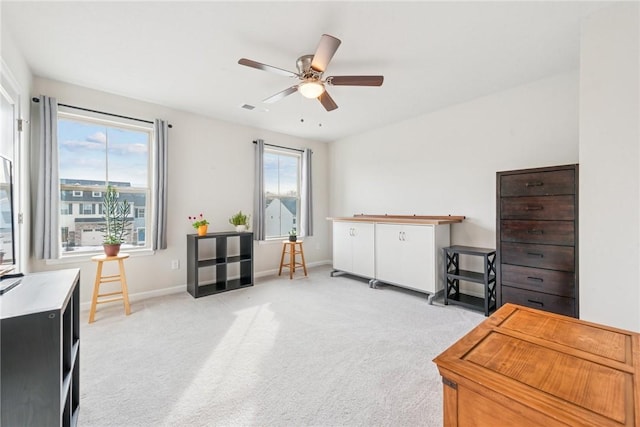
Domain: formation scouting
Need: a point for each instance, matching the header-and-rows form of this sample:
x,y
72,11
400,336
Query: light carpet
x,y
312,351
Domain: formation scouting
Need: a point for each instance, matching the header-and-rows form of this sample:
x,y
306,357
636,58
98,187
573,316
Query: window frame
x,y
150,203
290,152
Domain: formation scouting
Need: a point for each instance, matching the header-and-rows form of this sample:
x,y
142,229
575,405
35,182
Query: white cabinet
x,y
410,256
404,251
353,248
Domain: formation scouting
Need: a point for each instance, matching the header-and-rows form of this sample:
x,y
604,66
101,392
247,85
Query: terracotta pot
x,y
202,230
111,250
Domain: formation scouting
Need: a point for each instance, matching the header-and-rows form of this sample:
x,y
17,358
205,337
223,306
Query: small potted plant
x,y
116,216
200,224
240,221
293,235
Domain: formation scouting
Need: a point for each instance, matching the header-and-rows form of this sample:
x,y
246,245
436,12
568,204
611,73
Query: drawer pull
x,y
535,254
534,184
538,303
534,231
536,279
533,208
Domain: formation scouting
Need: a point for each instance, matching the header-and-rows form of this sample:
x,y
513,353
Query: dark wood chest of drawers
x,y
537,238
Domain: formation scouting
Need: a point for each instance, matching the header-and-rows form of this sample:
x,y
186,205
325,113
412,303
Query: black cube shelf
x,y
219,260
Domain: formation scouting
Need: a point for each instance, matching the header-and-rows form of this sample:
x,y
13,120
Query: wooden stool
x,y
120,277
292,248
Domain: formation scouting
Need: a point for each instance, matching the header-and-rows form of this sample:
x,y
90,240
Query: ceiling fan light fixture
x,y
311,88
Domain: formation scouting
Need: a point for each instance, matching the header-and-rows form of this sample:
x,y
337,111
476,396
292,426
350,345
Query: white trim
x,y
139,296
5,71
86,256
11,89
275,270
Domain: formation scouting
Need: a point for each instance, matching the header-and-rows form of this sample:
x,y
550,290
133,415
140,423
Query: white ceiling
x,y
184,55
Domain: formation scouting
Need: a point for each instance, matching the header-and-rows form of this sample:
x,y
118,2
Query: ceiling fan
x,y
310,72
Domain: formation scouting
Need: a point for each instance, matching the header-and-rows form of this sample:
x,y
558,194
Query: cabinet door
x,y
418,257
363,254
342,246
389,253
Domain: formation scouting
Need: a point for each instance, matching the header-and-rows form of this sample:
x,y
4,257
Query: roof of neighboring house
x,y
288,202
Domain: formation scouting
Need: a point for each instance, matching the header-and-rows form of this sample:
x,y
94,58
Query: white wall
x,y
610,168
446,162
211,171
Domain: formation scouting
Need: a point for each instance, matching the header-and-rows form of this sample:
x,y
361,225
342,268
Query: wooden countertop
x,y
403,219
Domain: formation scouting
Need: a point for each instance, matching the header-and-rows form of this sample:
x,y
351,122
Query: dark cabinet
x,y
214,266
40,350
537,238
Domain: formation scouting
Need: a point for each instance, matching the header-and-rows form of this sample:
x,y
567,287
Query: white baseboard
x,y
139,296
275,270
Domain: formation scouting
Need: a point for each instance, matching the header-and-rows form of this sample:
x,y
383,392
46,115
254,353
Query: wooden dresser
x,y
526,367
537,238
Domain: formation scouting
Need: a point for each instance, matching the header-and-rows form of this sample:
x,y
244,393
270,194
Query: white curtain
x,y
161,144
259,203
46,231
306,197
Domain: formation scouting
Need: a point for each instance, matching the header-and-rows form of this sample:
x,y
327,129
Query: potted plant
x,y
116,216
240,221
293,235
200,224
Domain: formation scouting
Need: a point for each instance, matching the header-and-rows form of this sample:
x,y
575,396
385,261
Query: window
x,y
95,153
141,236
86,209
282,192
66,209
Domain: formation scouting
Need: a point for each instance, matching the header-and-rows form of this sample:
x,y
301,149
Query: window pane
x,y
128,155
93,156
82,150
282,183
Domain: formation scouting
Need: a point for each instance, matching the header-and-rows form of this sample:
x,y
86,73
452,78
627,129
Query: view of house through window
x,y
282,192
92,155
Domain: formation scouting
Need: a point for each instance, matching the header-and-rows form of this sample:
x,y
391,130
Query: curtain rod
x,y
280,146
100,112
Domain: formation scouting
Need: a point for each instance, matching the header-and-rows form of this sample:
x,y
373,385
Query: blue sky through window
x,y
281,174
83,152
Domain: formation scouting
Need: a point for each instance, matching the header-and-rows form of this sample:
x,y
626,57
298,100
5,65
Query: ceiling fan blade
x,y
327,102
278,96
355,80
265,67
325,51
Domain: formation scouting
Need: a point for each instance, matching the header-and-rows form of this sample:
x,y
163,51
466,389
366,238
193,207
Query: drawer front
x,y
559,283
552,303
547,232
538,184
538,256
548,208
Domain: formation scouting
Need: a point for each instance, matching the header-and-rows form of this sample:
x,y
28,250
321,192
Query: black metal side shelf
x,y
217,245
454,275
